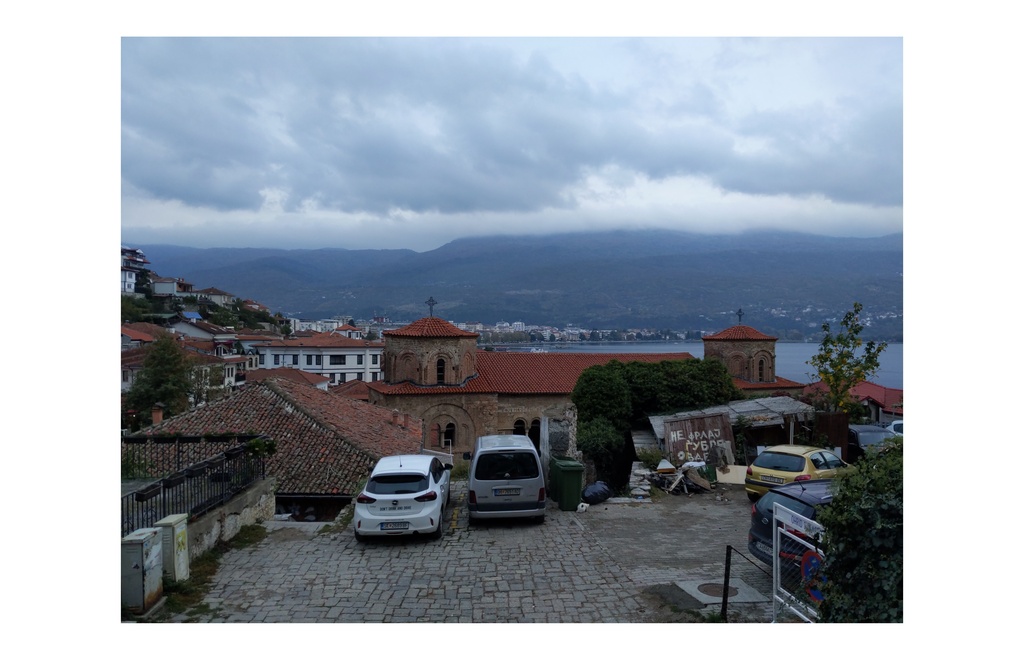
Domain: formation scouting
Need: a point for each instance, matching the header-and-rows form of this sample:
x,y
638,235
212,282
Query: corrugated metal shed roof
x,y
759,412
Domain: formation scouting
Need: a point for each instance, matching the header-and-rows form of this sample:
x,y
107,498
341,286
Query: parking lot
x,y
619,561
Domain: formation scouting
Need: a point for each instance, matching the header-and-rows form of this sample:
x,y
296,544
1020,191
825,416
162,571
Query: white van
x,y
505,479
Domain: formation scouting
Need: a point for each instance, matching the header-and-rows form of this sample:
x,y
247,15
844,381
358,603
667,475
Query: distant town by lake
x,y
790,358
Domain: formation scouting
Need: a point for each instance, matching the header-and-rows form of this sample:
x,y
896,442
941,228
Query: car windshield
x,y
779,461
397,484
506,466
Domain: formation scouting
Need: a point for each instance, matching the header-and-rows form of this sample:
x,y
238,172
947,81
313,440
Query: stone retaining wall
x,y
254,505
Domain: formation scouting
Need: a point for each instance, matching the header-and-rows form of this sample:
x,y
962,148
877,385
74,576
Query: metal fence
x,y
193,490
796,562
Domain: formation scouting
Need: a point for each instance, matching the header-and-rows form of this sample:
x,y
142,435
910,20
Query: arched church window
x,y
440,371
449,435
519,428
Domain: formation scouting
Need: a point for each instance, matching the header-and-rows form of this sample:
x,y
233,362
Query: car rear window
x,y
766,504
397,484
871,438
510,465
779,461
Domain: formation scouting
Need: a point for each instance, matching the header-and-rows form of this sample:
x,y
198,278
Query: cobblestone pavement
x,y
602,565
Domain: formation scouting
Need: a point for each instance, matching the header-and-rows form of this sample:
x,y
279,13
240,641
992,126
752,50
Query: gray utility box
x,y
142,583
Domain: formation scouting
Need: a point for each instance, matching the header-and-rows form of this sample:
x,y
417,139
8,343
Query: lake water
x,y
790,358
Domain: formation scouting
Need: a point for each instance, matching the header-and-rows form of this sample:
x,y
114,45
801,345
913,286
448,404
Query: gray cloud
x,y
255,137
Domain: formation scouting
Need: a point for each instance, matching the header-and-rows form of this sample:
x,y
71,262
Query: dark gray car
x,y
804,498
863,436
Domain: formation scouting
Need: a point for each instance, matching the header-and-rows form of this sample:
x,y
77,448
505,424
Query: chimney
x,y
158,413
405,423
395,417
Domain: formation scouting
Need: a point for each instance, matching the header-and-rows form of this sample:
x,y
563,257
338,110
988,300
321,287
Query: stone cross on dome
x,y
739,314
430,303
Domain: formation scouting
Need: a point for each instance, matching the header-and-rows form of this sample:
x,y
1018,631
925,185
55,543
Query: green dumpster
x,y
566,483
709,473
554,470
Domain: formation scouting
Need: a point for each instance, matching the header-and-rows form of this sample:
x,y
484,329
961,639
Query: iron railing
x,y
193,490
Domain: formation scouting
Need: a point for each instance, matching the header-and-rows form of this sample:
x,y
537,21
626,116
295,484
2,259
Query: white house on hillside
x,y
332,355
133,261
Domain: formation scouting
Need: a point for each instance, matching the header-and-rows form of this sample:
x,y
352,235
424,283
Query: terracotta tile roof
x,y
134,356
325,443
323,340
740,333
293,374
146,328
197,344
353,389
889,399
137,335
430,327
528,373
780,383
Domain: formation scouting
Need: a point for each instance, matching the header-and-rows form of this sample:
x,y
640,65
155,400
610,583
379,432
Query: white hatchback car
x,y
405,495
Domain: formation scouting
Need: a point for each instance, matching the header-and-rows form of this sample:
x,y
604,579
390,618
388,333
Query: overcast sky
x,y
413,142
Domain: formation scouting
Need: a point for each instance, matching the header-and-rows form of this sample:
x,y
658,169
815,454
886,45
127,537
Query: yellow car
x,y
788,463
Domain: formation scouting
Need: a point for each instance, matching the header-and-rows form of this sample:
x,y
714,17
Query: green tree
x,y
601,441
134,309
841,364
165,378
693,384
646,386
863,540
602,392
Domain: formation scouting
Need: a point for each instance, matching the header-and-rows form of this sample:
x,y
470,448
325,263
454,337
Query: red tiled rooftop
x,y
528,373
430,327
353,389
325,443
293,374
889,399
740,333
323,340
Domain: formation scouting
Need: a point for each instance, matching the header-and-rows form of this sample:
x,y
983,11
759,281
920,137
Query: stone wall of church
x,y
474,415
415,359
743,358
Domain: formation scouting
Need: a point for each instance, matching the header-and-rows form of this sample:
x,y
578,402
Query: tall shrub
x,y
863,544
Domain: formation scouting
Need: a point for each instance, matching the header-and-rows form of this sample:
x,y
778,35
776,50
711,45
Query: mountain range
x,y
787,284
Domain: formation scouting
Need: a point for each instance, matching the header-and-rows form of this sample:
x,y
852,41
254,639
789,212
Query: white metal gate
x,y
796,584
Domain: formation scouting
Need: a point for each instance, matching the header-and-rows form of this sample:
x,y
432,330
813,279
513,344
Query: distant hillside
x,y
786,284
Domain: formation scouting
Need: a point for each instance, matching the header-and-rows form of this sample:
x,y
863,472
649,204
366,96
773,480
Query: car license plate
x,y
771,479
394,526
507,491
763,547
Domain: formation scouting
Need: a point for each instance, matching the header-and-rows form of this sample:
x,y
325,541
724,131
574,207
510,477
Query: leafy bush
x,y
863,544
602,442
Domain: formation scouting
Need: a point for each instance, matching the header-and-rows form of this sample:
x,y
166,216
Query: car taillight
x,y
540,495
365,498
750,472
429,496
802,477
472,496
